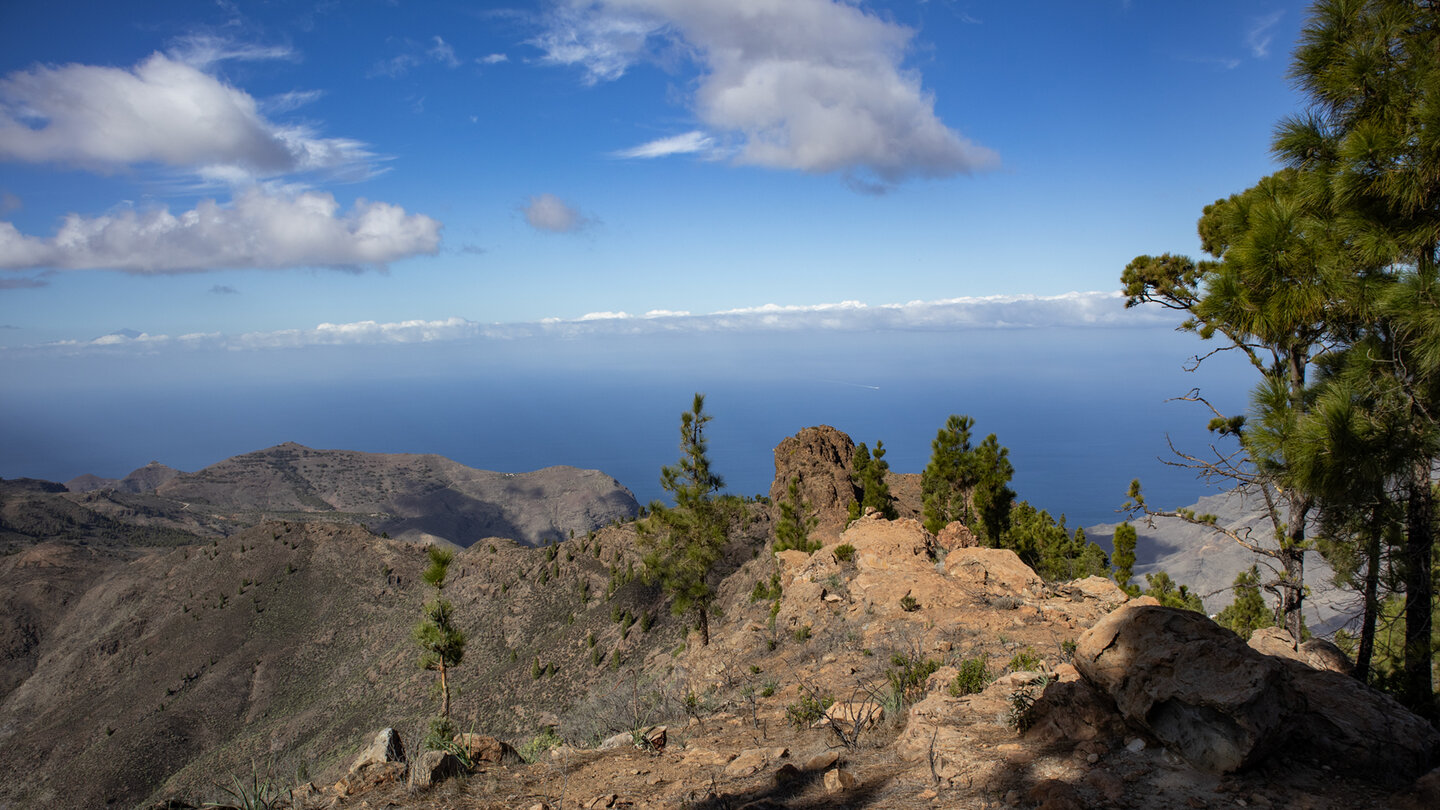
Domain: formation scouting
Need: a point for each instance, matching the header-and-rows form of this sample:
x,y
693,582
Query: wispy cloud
x,y
162,111
258,230
809,85
224,289
1076,309
493,59
1259,34
684,144
442,52
549,213
202,50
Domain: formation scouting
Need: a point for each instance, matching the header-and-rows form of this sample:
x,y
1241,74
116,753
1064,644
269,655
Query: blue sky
x,y
199,197
484,161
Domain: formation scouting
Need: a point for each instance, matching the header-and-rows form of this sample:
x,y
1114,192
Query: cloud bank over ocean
x,y
1075,309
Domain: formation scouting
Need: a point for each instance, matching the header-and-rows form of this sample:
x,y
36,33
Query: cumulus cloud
x,y
162,111
1076,309
258,230
811,85
683,144
546,212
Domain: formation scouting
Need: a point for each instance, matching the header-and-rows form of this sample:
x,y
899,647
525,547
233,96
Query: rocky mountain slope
x,y
1208,561
891,668
413,497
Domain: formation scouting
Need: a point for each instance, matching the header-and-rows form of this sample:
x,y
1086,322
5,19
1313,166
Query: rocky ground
x,y
1044,736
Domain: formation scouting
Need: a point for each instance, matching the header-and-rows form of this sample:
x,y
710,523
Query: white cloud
x,y
683,144
1076,309
1258,36
493,59
546,212
202,50
442,52
812,85
258,230
162,111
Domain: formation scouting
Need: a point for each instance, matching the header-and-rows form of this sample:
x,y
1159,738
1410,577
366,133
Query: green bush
x,y
809,709
973,677
539,744
844,553
1027,660
907,675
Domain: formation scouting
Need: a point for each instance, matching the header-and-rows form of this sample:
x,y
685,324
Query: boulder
x,y
1098,589
1074,711
753,759
434,767
484,748
1358,730
1222,705
385,747
956,535
1275,641
996,570
839,780
1324,655
1192,684
821,458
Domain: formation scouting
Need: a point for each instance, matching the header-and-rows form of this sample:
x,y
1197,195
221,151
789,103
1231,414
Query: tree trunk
x,y
1292,562
1366,651
1419,551
704,627
444,691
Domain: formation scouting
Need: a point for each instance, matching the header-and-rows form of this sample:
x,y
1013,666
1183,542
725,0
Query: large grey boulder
x,y
1192,684
1223,706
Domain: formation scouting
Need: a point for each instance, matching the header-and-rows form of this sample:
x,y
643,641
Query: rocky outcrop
x,y
1224,706
821,458
1192,684
1317,652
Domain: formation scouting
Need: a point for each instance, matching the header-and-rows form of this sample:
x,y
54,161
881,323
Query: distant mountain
x,y
145,479
407,496
1208,561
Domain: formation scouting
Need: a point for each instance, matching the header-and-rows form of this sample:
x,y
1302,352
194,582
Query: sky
x,y
226,184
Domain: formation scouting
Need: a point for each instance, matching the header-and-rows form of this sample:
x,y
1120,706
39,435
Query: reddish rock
x,y
484,748
956,535
821,458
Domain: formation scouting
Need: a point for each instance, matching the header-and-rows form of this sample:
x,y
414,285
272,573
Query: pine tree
x,y
792,530
1169,594
1248,612
950,477
868,473
442,644
683,543
1124,555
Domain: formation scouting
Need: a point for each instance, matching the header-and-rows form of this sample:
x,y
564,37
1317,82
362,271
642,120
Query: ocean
x,y
1082,409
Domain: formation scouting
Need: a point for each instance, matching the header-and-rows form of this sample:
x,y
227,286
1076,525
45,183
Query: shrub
x,y
1021,715
973,677
908,673
908,603
809,709
844,553
539,744
1027,660
802,633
